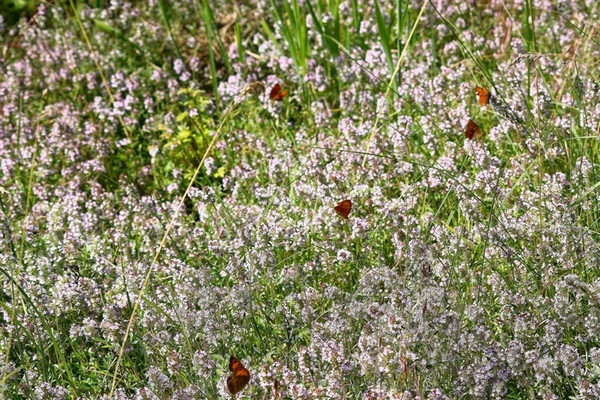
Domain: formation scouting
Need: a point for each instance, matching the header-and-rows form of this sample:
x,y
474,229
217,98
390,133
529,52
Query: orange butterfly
x,y
343,208
484,95
277,94
473,132
239,377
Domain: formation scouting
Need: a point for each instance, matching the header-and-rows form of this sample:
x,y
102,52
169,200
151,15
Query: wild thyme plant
x,y
466,268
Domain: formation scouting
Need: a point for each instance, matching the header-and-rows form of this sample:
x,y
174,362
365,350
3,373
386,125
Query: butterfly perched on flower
x,y
343,208
239,377
483,94
473,132
277,93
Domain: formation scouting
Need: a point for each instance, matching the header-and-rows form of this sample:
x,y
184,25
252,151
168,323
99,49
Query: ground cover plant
x,y
354,199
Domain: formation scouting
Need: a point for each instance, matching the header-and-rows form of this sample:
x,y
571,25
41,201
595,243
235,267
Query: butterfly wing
x,y
277,93
484,95
473,132
343,208
240,376
237,383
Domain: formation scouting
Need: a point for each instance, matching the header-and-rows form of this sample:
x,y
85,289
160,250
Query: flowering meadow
x,y
173,186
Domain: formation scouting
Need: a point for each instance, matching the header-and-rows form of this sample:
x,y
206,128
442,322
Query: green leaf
x,y
182,116
220,172
184,134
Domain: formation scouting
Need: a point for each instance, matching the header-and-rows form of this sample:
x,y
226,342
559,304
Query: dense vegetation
x,y
164,205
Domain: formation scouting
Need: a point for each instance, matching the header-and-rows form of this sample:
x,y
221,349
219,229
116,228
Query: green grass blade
x,y
384,35
240,44
165,17
206,17
211,26
324,32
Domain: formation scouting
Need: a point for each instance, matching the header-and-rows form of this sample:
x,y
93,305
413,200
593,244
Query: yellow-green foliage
x,y
183,148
